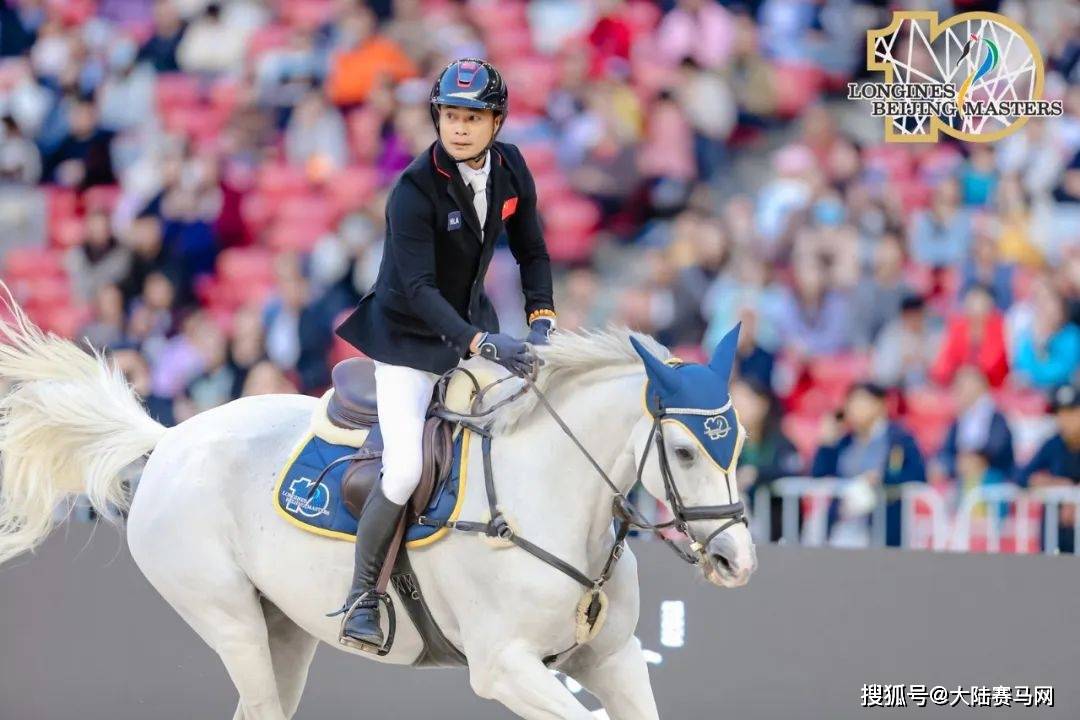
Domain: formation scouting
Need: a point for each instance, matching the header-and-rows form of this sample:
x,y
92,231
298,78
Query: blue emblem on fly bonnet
x,y
696,396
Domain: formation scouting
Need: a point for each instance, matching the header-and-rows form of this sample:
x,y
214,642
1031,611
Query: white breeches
x,y
403,395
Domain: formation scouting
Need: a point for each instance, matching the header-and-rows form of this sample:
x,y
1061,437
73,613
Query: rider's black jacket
x,y
428,300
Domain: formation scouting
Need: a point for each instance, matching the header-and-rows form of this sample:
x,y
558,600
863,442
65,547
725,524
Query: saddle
x,y
352,407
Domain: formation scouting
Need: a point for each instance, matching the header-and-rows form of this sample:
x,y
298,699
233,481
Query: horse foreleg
x,y
518,679
621,682
291,649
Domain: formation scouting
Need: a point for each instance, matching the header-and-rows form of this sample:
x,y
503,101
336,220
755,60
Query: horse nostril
x,y
722,562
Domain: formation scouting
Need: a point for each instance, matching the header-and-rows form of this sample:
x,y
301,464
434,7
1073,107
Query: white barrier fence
x,y
987,518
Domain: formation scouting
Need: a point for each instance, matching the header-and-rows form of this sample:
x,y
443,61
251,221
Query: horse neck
x,y
567,499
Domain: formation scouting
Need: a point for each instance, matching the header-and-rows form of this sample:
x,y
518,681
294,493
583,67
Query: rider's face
x,y
465,131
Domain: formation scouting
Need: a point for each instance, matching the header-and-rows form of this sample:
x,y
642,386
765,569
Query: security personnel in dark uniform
x,y
428,309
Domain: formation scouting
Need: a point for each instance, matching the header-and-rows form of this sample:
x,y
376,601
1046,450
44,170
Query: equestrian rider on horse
x,y
428,309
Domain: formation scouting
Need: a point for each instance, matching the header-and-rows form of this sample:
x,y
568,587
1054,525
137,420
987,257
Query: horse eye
x,y
684,454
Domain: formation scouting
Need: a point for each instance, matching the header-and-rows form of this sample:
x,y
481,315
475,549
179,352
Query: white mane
x,y
570,354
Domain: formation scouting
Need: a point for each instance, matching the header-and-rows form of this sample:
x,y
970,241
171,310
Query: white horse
x,y
202,528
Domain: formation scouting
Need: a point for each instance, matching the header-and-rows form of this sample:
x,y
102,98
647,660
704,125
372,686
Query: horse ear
x,y
723,357
661,375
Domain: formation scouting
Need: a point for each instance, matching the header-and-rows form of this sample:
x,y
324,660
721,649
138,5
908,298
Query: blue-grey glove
x,y
508,351
539,331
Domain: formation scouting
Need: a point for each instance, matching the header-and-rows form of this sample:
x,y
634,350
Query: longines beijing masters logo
x,y
977,77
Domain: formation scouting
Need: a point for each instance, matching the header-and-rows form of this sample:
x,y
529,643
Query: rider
x,y
428,309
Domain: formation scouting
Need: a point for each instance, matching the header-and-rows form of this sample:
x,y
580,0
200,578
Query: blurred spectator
x,y
610,40
1016,244
179,360
160,49
974,336
813,319
906,348
215,384
1047,352
297,334
246,346
149,255
20,161
137,373
767,454
941,235
82,159
700,29
878,298
126,97
755,364
984,268
980,429
709,105
15,38
214,42
1057,463
316,138
666,157
978,177
364,59
265,378
874,449
743,287
99,260
106,327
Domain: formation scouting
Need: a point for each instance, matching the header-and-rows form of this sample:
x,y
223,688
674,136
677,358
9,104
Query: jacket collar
x,y
446,170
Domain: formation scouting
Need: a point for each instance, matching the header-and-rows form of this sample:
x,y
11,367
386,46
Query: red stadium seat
x,y
797,86
102,197
803,430
551,186
278,180
299,236
64,320
318,210
175,90
307,13
353,187
642,16
245,265
267,38
540,156
1021,401
29,263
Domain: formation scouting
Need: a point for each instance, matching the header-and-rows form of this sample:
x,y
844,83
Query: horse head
x,y
697,437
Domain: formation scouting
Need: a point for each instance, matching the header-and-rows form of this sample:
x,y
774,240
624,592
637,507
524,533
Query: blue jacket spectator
x,y
1057,463
876,449
979,426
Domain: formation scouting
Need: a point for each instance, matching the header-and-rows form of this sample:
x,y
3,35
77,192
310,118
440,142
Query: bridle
x,y
626,514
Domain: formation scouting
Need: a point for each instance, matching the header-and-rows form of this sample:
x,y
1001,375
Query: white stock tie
x,y
478,183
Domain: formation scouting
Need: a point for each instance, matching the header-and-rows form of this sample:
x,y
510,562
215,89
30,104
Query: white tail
x,y
70,424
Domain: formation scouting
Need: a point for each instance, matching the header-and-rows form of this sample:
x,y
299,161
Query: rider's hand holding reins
x,y
508,351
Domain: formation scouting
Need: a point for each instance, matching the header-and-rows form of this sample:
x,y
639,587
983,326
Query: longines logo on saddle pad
x,y
977,76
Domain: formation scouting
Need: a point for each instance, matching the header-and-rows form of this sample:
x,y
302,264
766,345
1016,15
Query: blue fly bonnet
x,y
697,398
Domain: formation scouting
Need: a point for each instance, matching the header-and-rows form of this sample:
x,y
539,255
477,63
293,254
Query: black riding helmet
x,y
470,83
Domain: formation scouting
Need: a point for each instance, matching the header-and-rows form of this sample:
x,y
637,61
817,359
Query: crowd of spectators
x,y
198,188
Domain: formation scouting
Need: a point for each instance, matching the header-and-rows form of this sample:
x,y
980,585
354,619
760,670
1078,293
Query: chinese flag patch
x,y
509,207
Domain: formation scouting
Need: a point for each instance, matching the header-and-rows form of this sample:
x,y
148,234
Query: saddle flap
x,y
363,473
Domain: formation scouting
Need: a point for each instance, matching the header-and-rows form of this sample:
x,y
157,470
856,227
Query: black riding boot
x,y
377,522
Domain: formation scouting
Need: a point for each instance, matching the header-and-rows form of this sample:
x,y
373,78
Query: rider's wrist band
x,y
541,313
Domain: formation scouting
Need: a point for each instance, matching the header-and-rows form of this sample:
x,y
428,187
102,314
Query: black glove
x,y
539,331
511,353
